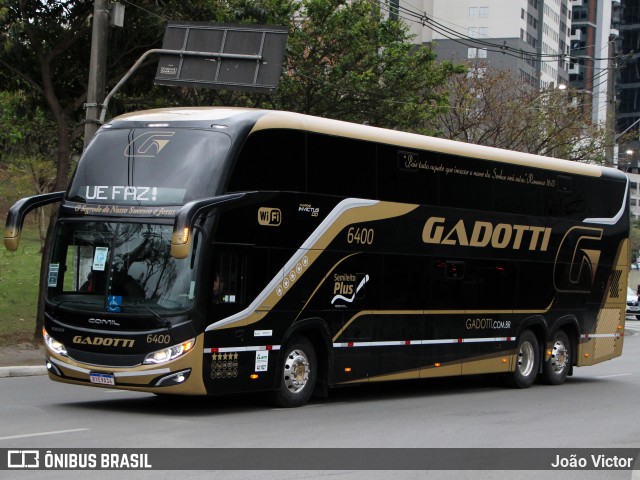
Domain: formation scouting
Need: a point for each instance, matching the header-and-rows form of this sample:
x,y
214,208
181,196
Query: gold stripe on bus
x,y
362,214
404,375
611,317
374,312
354,215
495,363
436,312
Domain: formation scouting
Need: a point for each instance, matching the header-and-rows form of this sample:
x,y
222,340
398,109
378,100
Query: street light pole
x,y
97,69
627,129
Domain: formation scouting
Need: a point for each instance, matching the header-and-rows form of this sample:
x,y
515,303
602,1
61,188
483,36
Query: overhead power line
x,y
422,18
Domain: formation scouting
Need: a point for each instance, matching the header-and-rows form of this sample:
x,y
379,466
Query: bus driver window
x,y
226,276
218,287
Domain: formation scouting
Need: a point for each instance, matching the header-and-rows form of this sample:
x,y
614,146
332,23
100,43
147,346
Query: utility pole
x,y
97,69
611,152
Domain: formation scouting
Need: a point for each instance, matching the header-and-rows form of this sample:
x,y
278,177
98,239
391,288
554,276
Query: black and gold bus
x,y
218,250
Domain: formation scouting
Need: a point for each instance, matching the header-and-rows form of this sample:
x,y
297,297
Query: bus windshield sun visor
x,y
17,213
181,238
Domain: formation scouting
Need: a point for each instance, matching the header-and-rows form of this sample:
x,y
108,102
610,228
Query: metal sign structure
x,y
210,55
237,57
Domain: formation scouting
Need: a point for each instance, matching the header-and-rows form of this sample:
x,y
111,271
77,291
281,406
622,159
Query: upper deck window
x,y
341,166
271,160
293,160
150,166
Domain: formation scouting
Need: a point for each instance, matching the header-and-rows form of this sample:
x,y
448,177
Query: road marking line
x,y
44,433
615,375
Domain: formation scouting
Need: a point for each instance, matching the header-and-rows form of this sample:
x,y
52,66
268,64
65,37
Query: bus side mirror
x,y
181,243
19,210
182,236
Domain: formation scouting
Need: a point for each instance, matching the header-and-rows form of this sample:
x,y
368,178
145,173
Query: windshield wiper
x,y
166,323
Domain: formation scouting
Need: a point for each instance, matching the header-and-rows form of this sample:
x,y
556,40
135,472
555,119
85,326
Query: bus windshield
x,y
149,166
119,267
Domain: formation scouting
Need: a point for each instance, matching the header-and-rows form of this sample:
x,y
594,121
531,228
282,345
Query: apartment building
x,y
547,43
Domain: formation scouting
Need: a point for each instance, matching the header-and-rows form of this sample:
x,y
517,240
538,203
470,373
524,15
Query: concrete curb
x,y
22,371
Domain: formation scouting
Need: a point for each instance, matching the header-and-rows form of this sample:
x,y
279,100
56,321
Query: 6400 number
x,y
158,338
361,236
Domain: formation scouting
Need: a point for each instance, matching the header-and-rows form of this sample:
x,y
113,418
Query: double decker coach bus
x,y
218,250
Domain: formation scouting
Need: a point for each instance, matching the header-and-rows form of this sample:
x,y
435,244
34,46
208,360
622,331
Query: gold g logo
x,y
148,144
577,260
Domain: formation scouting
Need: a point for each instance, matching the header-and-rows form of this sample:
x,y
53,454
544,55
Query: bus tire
x,y
527,361
556,369
298,373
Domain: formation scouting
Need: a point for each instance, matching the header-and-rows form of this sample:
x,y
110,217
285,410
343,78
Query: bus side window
x,y
341,166
260,166
229,275
79,275
405,283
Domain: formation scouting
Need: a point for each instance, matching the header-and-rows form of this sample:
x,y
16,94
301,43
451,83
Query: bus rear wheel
x,y
298,374
556,369
527,361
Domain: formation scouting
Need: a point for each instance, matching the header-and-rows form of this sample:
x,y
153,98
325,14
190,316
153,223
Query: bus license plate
x,y
102,378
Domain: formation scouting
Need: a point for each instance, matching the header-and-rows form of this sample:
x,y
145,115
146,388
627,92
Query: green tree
x,y
26,128
33,175
343,60
26,139
488,107
346,60
43,52
41,49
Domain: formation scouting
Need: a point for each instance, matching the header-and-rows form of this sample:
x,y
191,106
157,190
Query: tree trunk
x,y
42,227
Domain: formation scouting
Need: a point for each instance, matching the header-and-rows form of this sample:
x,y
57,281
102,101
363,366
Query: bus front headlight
x,y
54,345
169,353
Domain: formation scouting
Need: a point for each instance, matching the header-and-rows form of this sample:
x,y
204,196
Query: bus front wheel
x,y
556,369
298,373
527,361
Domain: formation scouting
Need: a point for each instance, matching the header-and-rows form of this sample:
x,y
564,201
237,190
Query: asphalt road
x,y
596,408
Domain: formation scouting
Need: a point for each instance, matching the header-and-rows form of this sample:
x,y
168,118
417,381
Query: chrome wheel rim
x,y
526,356
296,371
559,357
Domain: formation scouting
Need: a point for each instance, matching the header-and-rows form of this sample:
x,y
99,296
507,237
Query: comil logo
x,y
269,217
23,459
148,144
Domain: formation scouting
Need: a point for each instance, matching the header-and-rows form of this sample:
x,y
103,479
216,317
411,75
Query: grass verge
x,y
19,273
